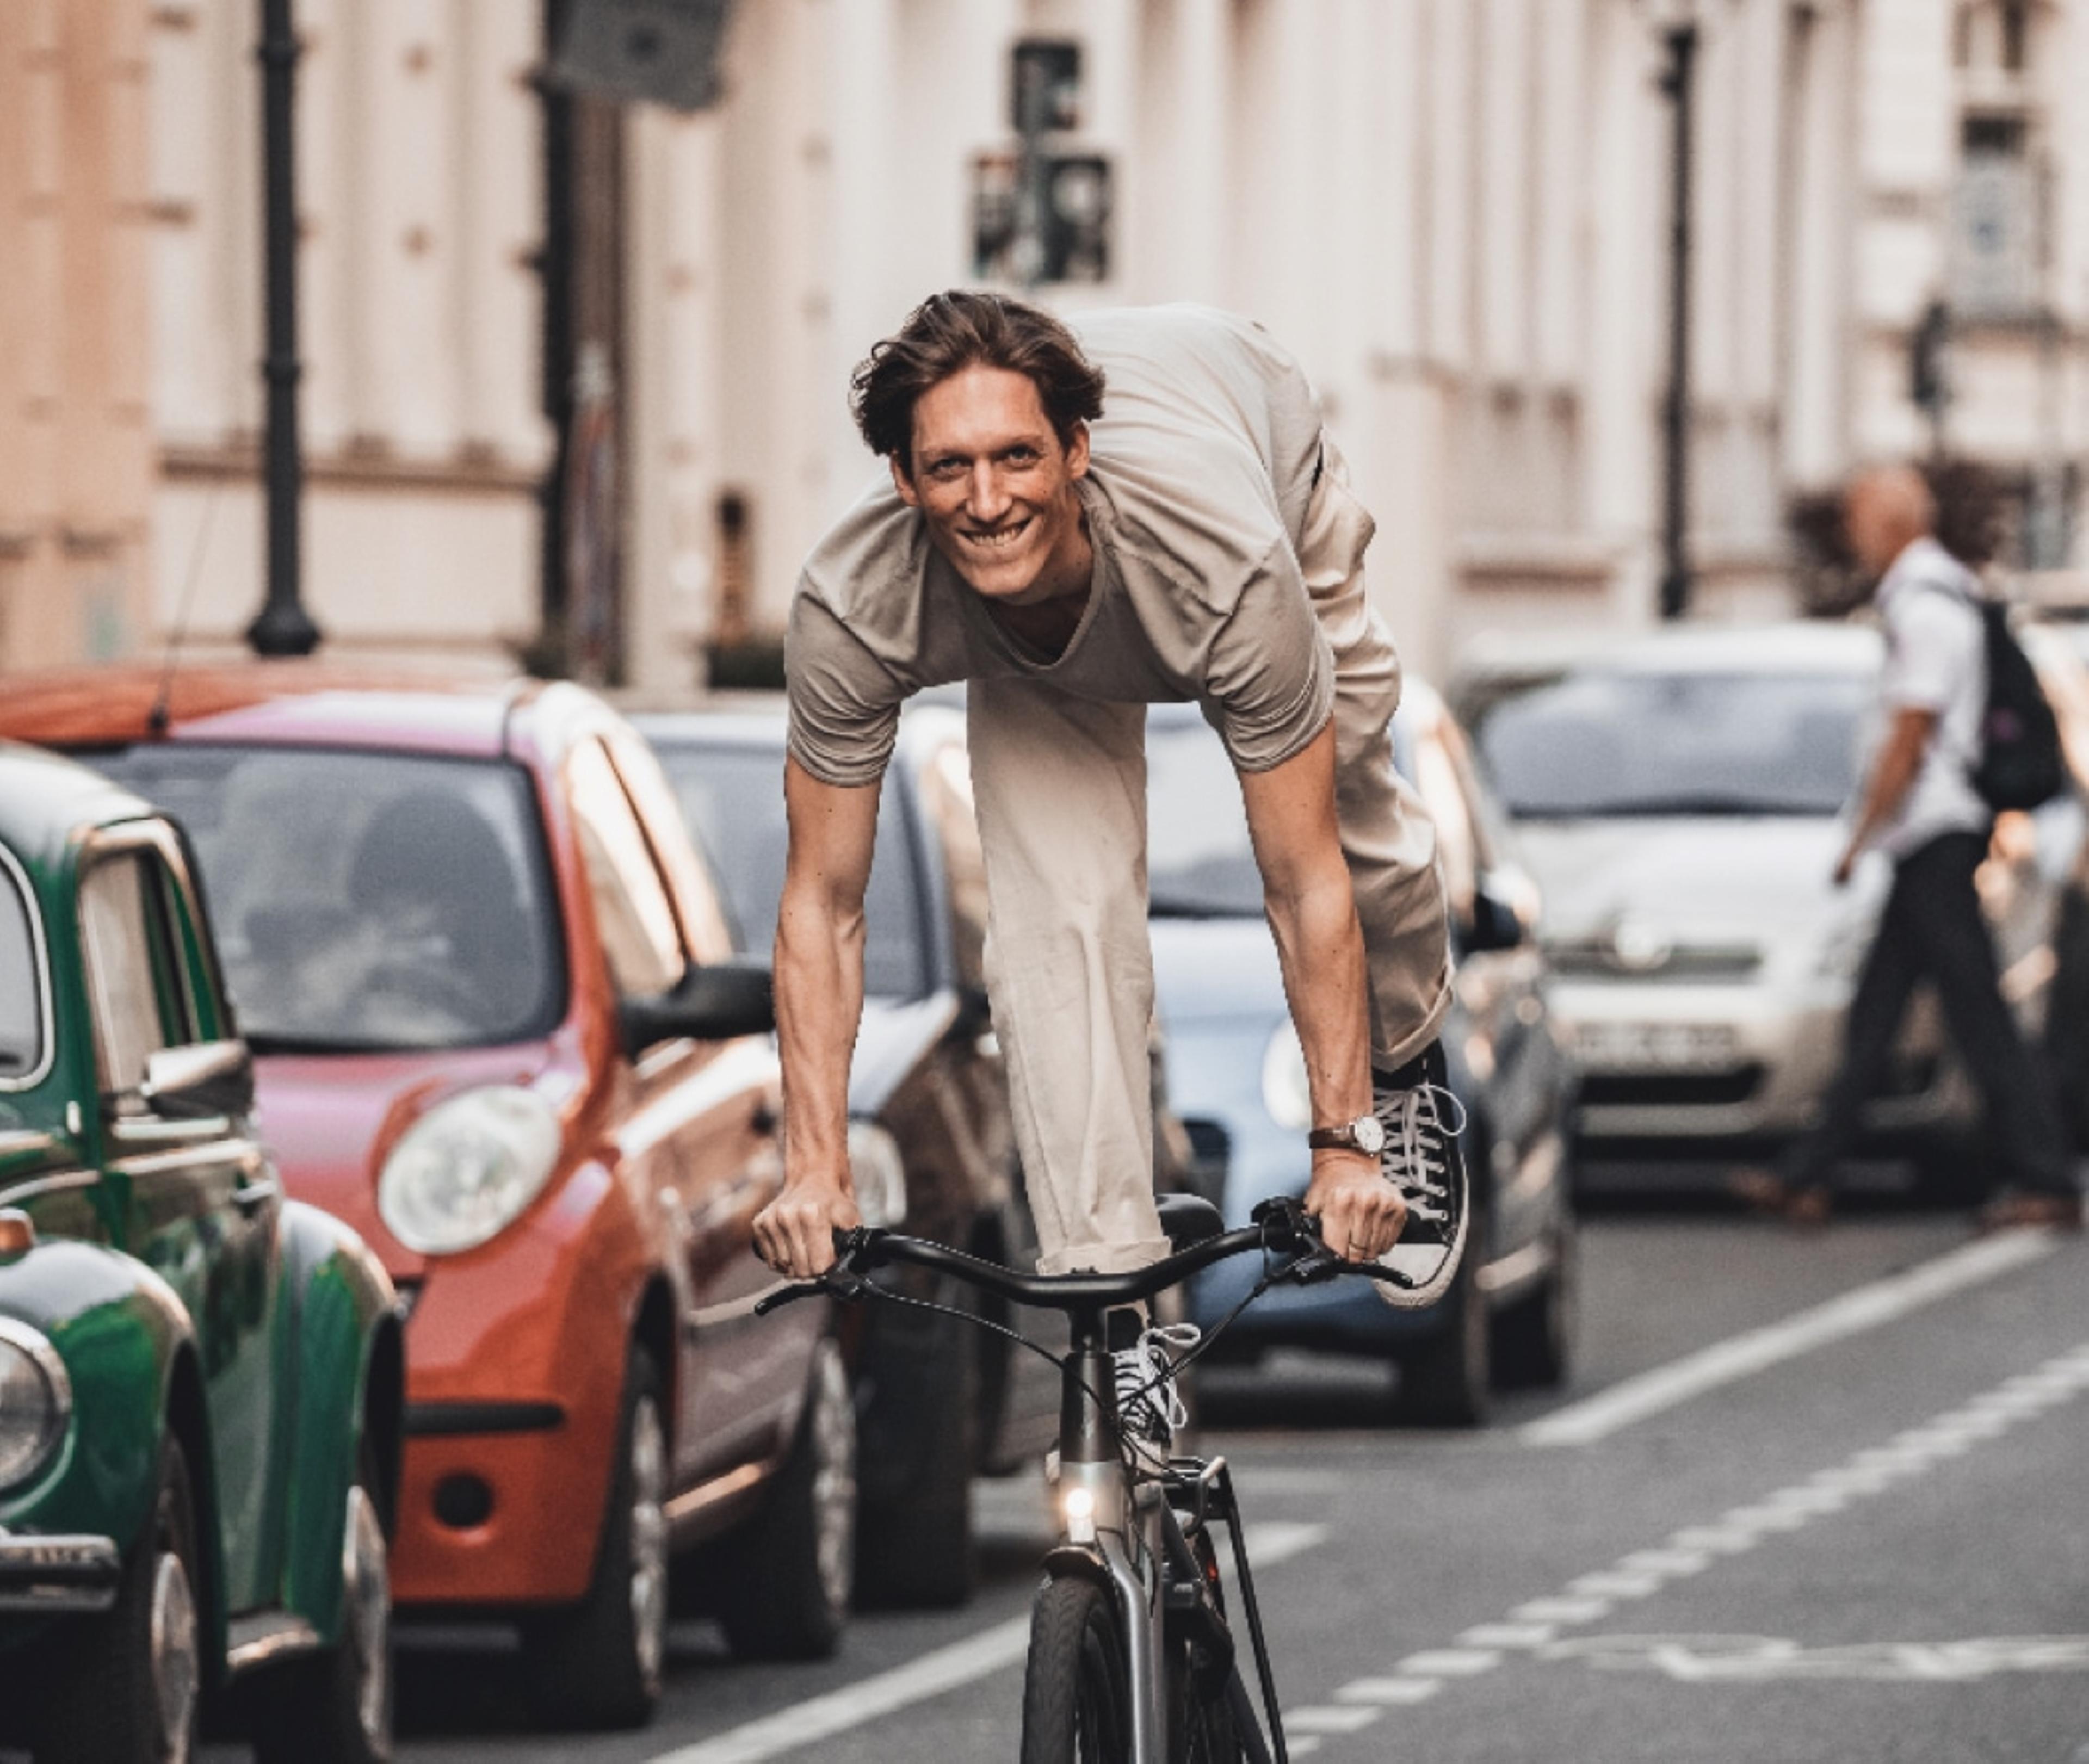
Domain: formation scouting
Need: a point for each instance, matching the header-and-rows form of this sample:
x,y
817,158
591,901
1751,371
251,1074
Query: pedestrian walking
x,y
1919,807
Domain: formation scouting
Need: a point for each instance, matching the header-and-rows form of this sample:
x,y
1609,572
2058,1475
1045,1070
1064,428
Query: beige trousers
x,y
1060,787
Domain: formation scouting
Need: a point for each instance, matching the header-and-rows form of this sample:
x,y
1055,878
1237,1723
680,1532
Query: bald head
x,y
1884,510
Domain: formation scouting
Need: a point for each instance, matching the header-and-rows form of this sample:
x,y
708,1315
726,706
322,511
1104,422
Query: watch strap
x,y
1342,1138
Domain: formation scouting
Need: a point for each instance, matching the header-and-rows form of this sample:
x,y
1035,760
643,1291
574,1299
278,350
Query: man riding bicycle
x,y
1197,541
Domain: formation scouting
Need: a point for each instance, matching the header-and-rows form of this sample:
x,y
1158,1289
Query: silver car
x,y
1680,794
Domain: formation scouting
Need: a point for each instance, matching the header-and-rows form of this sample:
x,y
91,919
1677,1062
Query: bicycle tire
x,y
1076,1703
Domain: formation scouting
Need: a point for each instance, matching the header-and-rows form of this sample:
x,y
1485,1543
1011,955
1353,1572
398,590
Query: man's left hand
x,y
1361,1214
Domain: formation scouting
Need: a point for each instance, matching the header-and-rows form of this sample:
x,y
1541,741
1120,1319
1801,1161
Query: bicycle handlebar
x,y
1281,1224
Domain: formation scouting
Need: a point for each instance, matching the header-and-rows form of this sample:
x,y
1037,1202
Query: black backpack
x,y
2020,765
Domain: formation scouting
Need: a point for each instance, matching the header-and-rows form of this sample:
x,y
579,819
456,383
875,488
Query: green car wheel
x,y
335,1707
128,1686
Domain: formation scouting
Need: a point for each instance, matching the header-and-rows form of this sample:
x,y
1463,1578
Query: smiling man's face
x,y
996,486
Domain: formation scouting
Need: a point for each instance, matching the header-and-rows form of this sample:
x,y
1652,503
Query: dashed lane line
x,y
1531,1629
1740,1356
933,1674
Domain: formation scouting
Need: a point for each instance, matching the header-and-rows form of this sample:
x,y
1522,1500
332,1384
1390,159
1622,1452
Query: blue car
x,y
1238,1077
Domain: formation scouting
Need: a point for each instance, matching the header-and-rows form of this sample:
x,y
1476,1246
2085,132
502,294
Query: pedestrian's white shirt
x,y
1935,660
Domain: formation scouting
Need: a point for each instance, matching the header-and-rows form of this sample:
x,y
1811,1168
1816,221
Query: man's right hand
x,y
794,1233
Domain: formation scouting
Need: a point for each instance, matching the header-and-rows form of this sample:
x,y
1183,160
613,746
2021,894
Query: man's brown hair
x,y
951,331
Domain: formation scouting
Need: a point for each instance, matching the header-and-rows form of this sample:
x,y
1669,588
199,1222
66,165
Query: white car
x,y
1680,794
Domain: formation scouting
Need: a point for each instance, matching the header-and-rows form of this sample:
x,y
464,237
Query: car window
x,y
1199,862
21,986
366,900
640,937
1457,839
133,984
732,797
1605,742
704,917
947,804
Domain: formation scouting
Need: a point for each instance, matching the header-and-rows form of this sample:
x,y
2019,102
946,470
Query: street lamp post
x,y
1677,83
283,628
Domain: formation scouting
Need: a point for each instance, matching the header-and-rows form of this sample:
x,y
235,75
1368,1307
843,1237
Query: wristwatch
x,y
1366,1134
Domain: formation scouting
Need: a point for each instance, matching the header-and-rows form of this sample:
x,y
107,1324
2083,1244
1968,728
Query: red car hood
x,y
329,1118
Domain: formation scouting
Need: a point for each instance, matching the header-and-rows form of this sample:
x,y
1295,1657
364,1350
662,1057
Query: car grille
x,y
1670,1089
1597,960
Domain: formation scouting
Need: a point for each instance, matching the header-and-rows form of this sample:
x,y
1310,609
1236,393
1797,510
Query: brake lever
x,y
841,1281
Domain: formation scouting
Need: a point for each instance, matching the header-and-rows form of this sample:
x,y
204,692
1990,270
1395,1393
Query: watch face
x,y
1371,1134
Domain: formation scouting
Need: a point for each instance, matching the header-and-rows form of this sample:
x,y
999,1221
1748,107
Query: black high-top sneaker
x,y
1423,1159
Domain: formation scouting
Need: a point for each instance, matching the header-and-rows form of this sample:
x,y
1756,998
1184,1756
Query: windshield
x,y
21,994
732,798
1199,861
1598,743
367,901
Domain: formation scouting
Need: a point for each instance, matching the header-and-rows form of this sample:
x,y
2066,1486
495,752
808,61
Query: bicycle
x,y
1133,1658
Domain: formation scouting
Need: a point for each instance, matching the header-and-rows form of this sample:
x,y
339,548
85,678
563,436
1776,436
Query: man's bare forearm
x,y
819,1008
1320,947
1892,774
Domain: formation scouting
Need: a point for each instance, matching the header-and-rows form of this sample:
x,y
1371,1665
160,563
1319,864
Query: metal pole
x,y
283,628
1679,84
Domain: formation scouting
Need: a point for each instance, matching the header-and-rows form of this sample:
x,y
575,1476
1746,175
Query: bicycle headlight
x,y
1285,1093
1079,1505
879,1175
462,1173
36,1401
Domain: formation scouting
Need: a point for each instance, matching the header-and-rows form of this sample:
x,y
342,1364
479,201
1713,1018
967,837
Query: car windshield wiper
x,y
1705,802
1198,907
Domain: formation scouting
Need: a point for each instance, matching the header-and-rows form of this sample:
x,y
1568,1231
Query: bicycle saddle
x,y
1189,1219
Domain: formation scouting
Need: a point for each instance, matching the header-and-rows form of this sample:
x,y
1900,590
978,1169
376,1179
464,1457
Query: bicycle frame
x,y
1120,1529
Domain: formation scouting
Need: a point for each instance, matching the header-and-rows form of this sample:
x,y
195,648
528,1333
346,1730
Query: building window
x,y
1995,225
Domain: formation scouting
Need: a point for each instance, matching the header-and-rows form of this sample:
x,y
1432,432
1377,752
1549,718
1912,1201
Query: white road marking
x,y
1450,1663
1508,1635
945,1669
1328,1718
1740,1356
1391,1692
1755,1659
1871,1471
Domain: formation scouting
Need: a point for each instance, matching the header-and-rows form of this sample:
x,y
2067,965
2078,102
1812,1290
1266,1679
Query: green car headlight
x,y
36,1401
462,1173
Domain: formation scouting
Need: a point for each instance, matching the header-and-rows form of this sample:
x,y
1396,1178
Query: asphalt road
x,y
1808,1497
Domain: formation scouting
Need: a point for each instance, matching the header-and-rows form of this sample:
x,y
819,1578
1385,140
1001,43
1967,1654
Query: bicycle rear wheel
x,y
1076,1707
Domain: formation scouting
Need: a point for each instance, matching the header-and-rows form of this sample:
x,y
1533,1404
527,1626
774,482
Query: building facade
x,y
1457,212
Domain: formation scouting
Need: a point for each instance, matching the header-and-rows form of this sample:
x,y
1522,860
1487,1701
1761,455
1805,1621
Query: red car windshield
x,y
367,901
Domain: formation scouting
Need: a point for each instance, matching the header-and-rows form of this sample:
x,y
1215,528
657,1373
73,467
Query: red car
x,y
501,1028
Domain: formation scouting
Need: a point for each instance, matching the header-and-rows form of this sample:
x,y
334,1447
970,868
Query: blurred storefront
x,y
1455,211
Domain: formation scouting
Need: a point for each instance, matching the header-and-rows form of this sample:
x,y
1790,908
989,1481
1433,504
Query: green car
x,y
200,1380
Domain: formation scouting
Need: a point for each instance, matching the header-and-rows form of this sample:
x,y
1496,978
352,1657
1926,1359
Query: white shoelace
x,y
1417,1127
1145,1372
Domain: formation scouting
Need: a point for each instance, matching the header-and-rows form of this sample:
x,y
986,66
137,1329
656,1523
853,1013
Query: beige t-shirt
x,y
1201,469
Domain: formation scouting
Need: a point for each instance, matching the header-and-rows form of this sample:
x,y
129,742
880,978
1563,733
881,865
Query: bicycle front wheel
x,y
1076,1707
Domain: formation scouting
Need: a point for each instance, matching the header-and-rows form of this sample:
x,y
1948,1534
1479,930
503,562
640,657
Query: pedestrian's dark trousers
x,y
1931,928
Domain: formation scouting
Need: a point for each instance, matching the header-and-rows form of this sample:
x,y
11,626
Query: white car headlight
x,y
36,1401
461,1174
1285,1093
879,1174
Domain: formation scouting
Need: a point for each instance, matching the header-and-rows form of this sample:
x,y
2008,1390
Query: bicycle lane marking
x,y
1532,1628
945,1669
1740,1356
